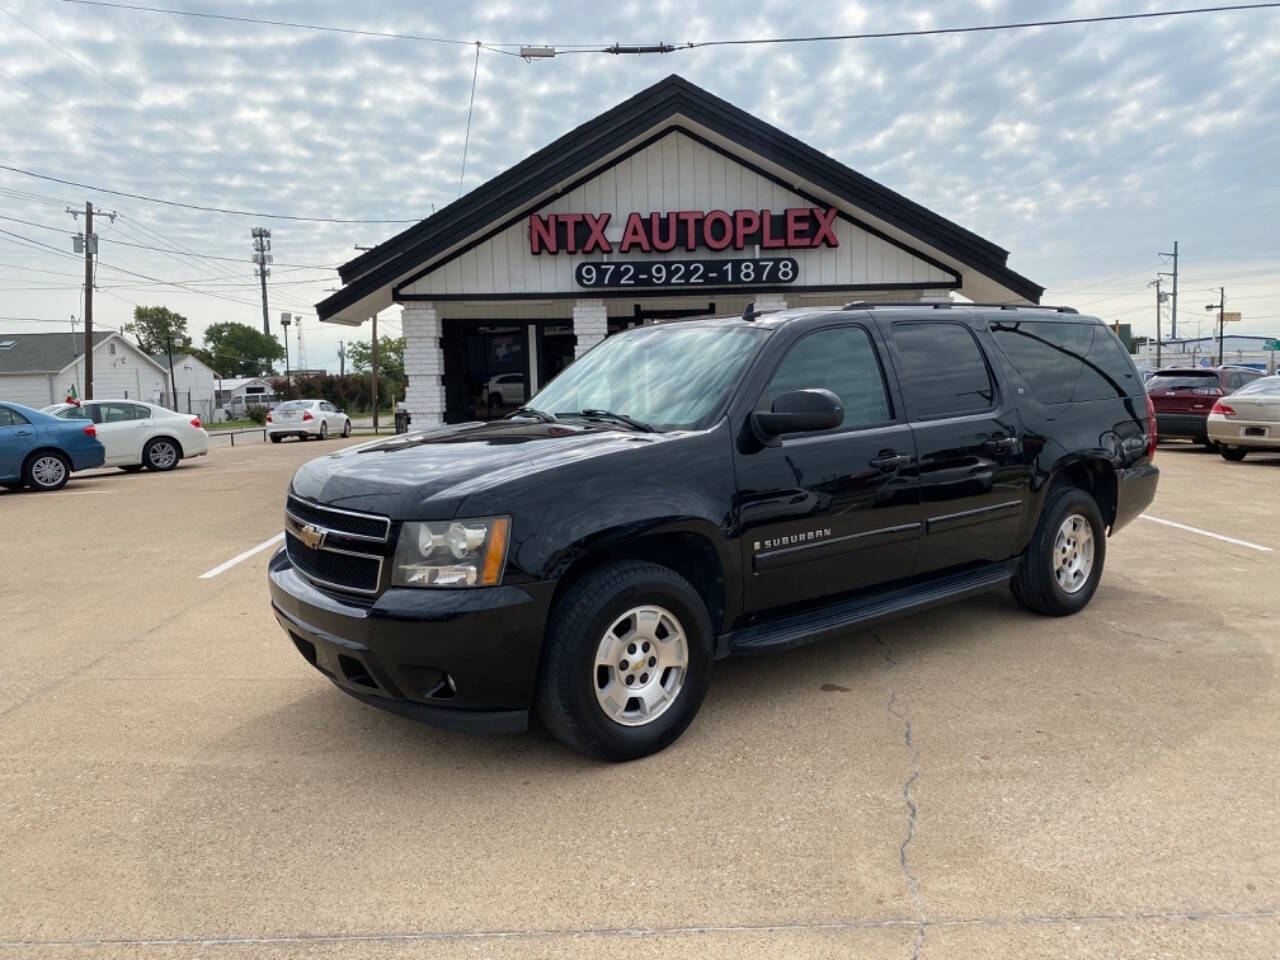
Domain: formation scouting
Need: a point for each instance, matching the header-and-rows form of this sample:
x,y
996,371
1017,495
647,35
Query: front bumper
x,y
1182,425
466,659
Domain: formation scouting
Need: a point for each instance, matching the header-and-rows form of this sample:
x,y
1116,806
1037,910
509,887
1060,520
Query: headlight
x,y
457,553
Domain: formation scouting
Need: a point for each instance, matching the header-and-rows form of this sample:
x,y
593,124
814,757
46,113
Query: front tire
x,y
1234,454
1062,566
324,430
346,428
626,620
131,467
161,455
46,471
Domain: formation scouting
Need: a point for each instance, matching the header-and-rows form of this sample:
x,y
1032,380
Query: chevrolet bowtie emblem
x,y
312,536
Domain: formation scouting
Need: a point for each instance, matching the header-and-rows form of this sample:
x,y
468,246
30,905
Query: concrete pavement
x,y
176,782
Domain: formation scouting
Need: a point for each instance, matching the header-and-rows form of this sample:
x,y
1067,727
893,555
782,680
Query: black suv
x,y
692,490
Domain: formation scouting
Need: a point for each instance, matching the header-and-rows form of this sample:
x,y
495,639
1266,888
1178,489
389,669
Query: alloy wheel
x,y
163,455
1073,553
640,665
48,471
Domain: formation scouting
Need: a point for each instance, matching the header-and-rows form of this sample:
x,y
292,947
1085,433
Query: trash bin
x,y
402,419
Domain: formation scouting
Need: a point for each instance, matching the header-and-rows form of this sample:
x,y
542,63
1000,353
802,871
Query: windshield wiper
x,y
597,414
531,412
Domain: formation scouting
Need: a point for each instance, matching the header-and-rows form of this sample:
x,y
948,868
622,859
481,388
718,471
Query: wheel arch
x,y
163,436
48,448
1096,476
691,553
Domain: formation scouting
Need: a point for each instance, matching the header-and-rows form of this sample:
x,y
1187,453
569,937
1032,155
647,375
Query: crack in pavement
x,y
414,936
913,884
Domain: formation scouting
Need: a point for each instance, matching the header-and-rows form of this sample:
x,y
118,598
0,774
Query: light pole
x,y
1221,307
284,322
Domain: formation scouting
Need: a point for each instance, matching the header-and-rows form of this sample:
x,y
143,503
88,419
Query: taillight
x,y
1222,408
306,415
90,430
1152,438
1208,391
269,420
195,422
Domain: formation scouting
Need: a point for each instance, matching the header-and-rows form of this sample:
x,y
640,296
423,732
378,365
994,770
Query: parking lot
x,y
977,782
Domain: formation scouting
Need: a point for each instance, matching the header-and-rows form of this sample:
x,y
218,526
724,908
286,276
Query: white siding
x,y
32,389
674,173
128,373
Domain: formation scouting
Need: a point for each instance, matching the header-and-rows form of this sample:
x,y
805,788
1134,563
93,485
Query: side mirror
x,y
798,411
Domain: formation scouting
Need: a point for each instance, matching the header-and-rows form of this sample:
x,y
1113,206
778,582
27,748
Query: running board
x,y
809,626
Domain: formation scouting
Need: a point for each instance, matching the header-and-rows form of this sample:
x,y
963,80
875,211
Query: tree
x,y
153,326
239,350
390,355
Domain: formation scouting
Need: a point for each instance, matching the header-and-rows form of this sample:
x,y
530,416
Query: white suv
x,y
137,434
307,418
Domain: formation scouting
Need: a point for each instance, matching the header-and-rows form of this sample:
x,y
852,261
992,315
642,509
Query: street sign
x,y
1271,345
1231,317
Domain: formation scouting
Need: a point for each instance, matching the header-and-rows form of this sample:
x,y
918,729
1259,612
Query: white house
x,y
42,368
195,383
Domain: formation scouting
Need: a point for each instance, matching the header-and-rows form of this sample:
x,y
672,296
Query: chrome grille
x,y
337,549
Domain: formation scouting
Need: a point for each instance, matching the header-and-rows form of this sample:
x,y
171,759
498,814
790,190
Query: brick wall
x,y
590,324
423,364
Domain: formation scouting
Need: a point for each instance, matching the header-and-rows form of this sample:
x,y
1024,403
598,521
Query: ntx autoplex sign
x,y
793,228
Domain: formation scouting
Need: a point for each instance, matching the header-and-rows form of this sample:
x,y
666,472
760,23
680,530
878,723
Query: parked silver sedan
x,y
305,419
1248,419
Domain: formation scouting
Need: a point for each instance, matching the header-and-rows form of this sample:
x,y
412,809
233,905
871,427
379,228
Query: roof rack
x,y
870,305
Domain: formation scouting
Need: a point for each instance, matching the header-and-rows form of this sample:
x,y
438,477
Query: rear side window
x,y
839,359
1108,370
943,371
11,418
1049,355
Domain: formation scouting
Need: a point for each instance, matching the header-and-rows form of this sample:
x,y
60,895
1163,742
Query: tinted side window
x,y
1049,355
1108,371
943,371
839,359
140,412
73,413
115,412
11,418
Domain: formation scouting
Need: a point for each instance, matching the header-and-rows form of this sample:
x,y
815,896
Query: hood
x,y
426,475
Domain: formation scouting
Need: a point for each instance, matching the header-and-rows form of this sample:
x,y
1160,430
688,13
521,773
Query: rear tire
x,y
604,609
276,438
1234,454
1062,566
46,471
324,430
161,455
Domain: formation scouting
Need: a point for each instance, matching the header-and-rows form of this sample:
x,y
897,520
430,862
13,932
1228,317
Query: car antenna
x,y
749,314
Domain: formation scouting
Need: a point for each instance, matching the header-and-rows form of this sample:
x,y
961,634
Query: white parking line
x,y
1207,533
223,567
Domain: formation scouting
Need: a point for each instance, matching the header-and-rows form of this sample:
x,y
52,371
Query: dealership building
x,y
672,204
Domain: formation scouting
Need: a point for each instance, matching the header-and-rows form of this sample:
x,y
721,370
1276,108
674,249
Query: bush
x,y
351,393
257,414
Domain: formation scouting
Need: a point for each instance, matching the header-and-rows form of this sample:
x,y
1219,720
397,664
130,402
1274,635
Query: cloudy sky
x,y
1085,150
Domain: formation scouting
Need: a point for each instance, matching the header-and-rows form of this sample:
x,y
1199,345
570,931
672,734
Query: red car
x,y
1183,397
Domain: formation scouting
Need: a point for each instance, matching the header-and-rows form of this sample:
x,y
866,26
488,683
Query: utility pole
x,y
90,242
261,257
1159,300
374,363
342,360
173,386
1173,320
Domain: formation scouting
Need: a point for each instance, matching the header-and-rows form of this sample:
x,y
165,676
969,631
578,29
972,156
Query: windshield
x,y
1267,385
664,376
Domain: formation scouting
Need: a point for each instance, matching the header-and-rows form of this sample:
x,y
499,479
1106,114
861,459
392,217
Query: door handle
x,y
23,433
1001,444
888,460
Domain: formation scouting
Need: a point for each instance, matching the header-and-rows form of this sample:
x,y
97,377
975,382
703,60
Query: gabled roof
x,y
596,139
44,352
181,358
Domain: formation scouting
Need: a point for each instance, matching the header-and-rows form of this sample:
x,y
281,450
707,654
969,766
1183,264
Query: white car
x,y
307,418
1248,419
137,434
505,388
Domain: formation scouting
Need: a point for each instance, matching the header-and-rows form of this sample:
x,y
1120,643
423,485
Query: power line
x,y
188,206
297,25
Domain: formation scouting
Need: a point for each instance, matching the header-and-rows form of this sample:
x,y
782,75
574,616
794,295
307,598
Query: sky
x,y
1085,150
